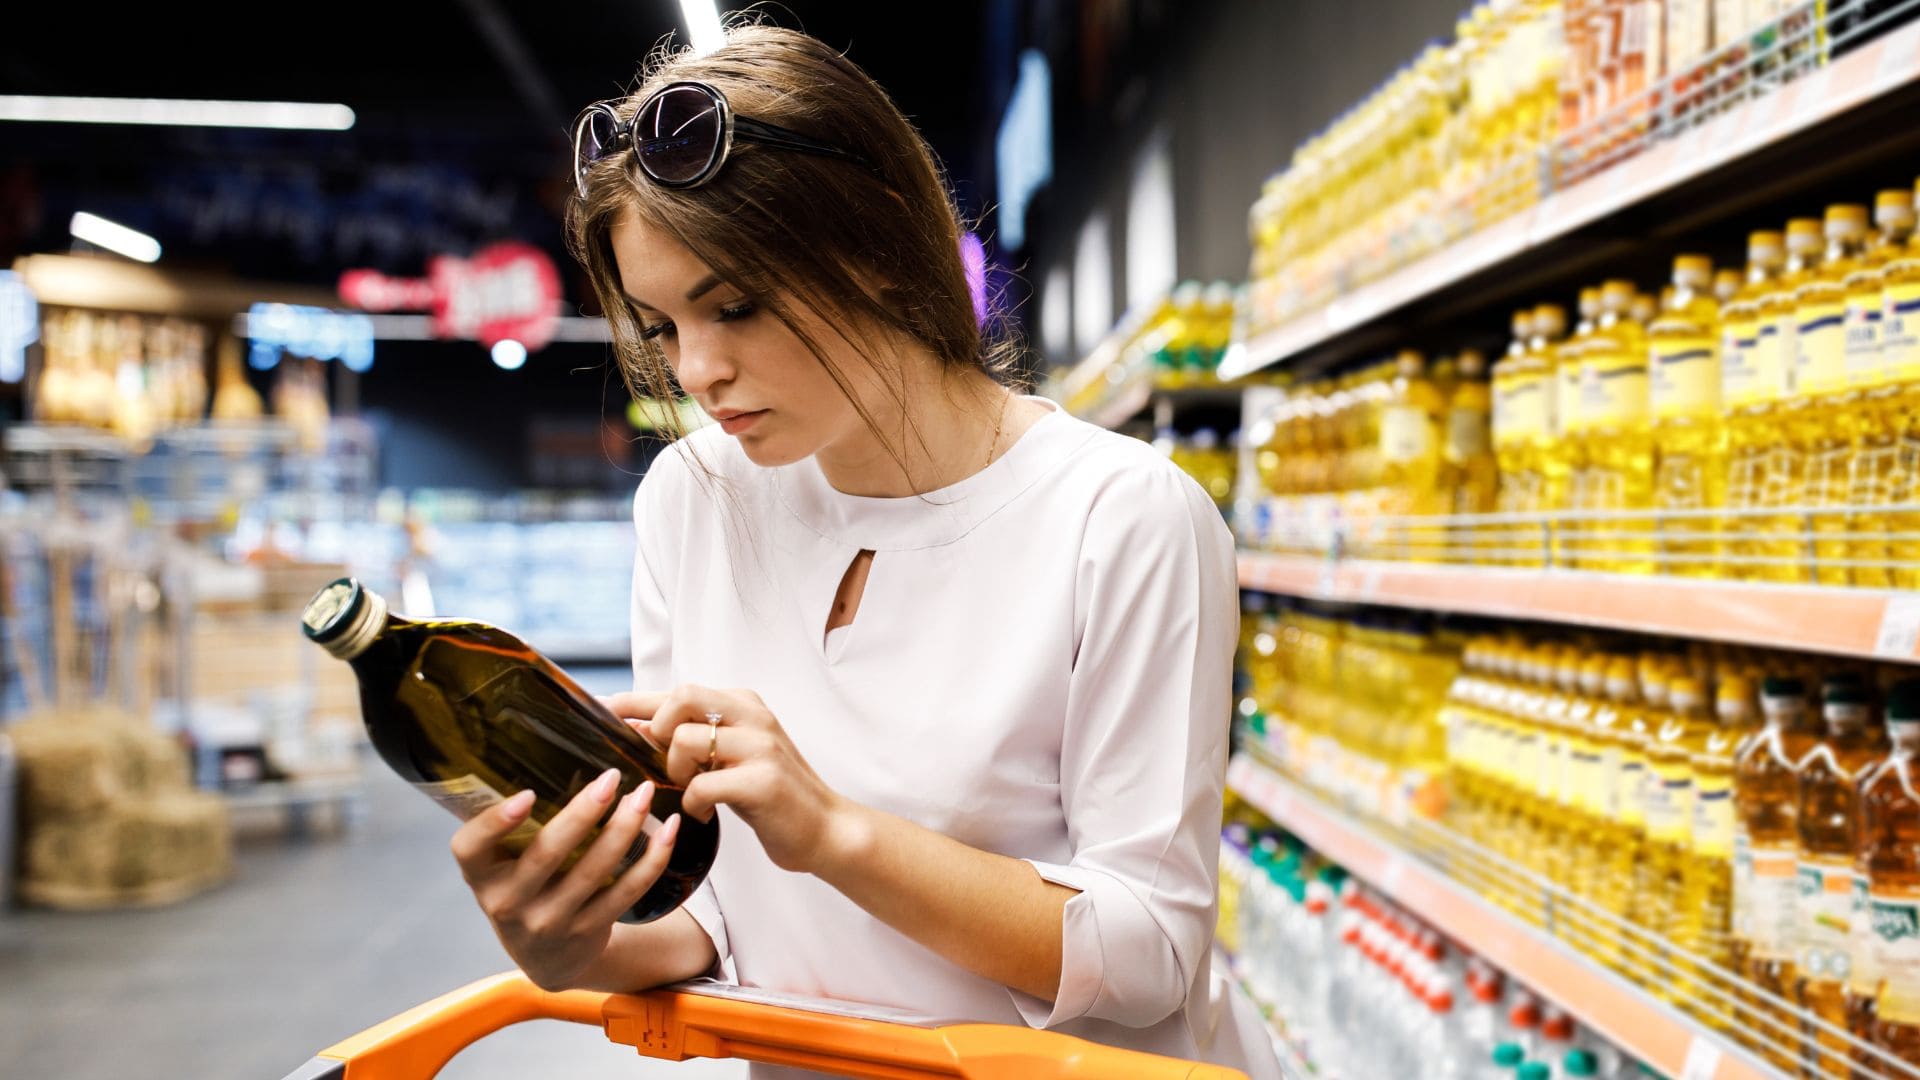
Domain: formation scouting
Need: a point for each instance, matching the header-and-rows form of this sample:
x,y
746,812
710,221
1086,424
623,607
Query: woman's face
x,y
743,366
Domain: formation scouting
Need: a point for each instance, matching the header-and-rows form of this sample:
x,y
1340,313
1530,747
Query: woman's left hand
x,y
747,762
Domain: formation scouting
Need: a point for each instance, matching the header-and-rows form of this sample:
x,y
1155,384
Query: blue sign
x,y
308,331
19,325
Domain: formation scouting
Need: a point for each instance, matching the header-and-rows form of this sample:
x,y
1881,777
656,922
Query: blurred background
x,y
284,296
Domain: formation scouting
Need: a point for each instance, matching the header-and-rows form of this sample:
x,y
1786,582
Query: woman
x,y
977,770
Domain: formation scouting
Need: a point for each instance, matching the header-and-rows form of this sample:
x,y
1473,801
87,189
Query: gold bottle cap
x,y
1845,219
1804,231
1472,364
1726,283
1693,270
1409,364
1549,321
1589,302
1893,208
1617,296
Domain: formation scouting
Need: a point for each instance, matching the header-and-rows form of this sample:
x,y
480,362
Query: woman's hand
x,y
749,763
556,927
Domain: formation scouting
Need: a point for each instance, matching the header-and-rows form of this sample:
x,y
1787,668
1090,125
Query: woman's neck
x,y
946,426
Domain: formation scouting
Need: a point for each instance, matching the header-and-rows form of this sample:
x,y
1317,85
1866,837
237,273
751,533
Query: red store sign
x,y
506,291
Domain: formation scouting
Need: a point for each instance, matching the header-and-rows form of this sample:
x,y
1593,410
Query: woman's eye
x,y
738,311
649,333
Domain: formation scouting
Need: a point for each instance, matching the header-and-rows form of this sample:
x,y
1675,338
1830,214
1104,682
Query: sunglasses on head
x,y
681,136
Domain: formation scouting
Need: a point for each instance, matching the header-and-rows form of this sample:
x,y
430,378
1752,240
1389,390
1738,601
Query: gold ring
x,y
713,739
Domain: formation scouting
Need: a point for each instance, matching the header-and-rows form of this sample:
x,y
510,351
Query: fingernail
x,y
604,787
516,807
670,831
637,800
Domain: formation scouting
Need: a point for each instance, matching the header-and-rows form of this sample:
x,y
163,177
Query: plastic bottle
x,y
1766,803
1690,437
1566,469
1825,820
1744,395
1900,350
1889,858
1614,411
1469,471
1781,467
1548,331
1621,726
1824,419
1520,414
1875,473
1701,927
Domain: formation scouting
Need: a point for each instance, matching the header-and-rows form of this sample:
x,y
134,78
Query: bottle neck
x,y
1906,737
365,630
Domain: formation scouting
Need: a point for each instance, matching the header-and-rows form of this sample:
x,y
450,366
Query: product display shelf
x,y
1786,120
1651,1030
1867,623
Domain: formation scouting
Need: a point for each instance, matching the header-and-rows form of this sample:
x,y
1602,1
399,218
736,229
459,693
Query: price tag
x,y
1899,57
1703,1060
1899,635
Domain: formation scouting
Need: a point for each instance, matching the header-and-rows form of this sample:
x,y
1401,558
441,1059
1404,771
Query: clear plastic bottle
x,y
1615,414
1781,465
1743,393
1690,437
1824,418
1874,470
1766,804
1889,855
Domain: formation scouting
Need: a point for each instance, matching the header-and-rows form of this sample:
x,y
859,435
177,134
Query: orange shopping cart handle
x,y
673,1026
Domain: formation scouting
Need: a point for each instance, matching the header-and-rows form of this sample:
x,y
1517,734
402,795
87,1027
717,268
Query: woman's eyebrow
x,y
706,285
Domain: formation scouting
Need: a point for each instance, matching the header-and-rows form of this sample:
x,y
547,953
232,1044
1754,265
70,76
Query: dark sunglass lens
x,y
677,135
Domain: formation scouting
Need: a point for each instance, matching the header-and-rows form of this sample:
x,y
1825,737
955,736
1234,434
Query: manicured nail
x,y
604,787
516,807
637,800
671,830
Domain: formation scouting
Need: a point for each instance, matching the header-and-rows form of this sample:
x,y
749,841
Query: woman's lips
x,y
735,423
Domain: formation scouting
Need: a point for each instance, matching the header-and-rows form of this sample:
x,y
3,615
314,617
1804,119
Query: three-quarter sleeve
x,y
1143,752
658,524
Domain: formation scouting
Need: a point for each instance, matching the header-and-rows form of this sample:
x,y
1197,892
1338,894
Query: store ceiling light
x,y
178,112
703,25
114,236
509,354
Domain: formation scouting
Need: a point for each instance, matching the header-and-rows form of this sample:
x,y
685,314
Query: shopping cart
x,y
674,1025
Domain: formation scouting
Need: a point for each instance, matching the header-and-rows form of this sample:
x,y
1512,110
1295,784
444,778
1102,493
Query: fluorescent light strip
x,y
177,112
114,236
703,25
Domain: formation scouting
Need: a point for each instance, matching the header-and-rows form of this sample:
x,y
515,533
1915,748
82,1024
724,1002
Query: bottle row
x,y
1528,97
1360,987
1730,823
1760,423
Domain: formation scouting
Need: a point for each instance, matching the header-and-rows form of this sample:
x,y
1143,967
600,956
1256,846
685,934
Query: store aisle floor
x,y
311,941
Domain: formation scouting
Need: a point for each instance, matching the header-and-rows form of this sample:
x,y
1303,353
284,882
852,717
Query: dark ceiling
x,y
462,111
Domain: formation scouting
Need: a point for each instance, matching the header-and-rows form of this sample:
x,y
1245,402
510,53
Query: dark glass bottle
x,y
470,714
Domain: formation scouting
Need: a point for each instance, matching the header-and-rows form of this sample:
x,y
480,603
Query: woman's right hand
x,y
555,928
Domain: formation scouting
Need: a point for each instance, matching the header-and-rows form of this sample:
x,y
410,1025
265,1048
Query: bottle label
x,y
1865,980
1820,366
1713,817
1767,361
1606,783
1737,377
1522,410
1466,435
468,797
1771,903
1405,434
1629,790
1613,392
1896,953
1685,377
1900,330
1567,398
1741,916
1669,803
1823,918
1863,358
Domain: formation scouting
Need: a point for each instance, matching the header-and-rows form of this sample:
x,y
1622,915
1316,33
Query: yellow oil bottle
x,y
1706,885
1747,391
1766,843
1873,470
1823,418
1736,705
1468,469
1620,730
1615,414
1518,410
1670,803
1547,346
1900,348
1888,857
1566,469
1782,464
1689,434
1410,441
1564,808
1824,818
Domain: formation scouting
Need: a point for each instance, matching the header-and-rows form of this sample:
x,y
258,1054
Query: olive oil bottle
x,y
469,714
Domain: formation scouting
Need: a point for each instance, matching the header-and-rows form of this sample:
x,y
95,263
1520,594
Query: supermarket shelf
x,y
1788,124
1866,623
1603,1001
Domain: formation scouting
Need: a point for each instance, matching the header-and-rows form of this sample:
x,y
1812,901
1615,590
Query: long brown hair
x,y
873,254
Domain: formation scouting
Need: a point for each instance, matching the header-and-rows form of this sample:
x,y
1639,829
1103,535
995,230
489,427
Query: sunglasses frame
x,y
732,127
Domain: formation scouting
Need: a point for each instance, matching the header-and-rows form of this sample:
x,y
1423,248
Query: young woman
x,y
971,758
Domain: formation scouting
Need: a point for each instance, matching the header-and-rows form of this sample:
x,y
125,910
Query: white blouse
x,y
1039,666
